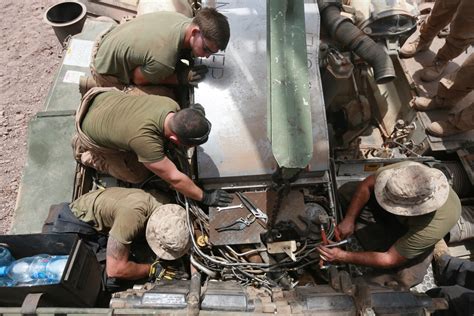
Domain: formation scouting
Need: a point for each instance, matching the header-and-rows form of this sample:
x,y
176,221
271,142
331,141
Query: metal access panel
x,y
235,95
48,176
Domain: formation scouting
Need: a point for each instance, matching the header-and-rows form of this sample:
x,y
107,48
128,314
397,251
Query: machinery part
x,y
357,113
194,295
457,177
382,19
290,126
199,266
338,65
344,31
288,247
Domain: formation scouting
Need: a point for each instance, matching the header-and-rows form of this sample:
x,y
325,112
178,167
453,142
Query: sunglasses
x,y
206,48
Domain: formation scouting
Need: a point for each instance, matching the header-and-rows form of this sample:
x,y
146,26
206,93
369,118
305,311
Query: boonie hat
x,y
167,232
411,190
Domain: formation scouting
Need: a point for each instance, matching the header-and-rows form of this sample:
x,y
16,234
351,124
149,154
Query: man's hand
x,y
331,254
346,228
216,198
159,272
192,75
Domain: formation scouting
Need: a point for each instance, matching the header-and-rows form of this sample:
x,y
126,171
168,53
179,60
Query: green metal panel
x,y
48,176
289,109
49,172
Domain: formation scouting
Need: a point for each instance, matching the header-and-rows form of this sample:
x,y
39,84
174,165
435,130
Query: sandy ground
x,y
29,57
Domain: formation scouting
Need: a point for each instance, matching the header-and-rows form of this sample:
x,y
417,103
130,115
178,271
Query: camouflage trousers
x,y
461,15
123,165
456,86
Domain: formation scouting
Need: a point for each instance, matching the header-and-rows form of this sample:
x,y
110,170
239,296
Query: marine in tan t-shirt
x,y
151,41
131,123
119,212
419,197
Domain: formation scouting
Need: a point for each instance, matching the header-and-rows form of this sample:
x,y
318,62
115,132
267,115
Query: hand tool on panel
x,y
252,208
239,224
229,207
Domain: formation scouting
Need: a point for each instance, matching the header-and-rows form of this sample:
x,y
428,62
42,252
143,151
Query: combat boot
x,y
428,104
409,49
86,83
443,129
434,71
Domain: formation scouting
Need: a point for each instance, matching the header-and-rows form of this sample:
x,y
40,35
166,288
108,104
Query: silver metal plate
x,y
234,95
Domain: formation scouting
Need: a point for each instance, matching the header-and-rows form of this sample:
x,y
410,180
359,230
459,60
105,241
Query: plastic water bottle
x,y
5,256
40,269
50,268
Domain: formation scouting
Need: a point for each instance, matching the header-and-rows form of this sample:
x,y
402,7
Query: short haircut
x,y
191,127
213,26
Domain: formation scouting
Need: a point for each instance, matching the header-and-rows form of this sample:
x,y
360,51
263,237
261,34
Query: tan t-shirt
x,y
425,230
120,212
151,41
130,123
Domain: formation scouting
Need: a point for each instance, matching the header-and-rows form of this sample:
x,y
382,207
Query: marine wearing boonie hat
x,y
167,232
411,190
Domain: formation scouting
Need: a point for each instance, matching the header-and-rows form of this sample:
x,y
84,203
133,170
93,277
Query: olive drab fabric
x,y
425,230
120,212
150,41
460,13
456,86
129,123
120,129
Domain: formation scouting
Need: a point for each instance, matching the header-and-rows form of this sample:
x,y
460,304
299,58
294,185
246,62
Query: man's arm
x,y
359,200
389,259
118,266
167,171
139,79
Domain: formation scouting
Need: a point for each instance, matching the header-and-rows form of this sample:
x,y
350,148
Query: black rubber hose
x,y
345,32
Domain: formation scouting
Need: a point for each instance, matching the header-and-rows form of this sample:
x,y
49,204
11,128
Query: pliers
x,y
252,208
239,224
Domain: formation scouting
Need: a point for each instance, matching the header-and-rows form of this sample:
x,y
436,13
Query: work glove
x,y
159,272
216,198
192,75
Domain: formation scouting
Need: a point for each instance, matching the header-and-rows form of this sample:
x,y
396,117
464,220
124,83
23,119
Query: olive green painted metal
x,y
49,173
289,106
50,168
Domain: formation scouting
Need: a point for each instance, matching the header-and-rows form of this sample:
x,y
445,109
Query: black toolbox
x,y
81,280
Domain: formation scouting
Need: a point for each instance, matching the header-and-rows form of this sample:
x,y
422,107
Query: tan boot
x,y
409,49
434,71
440,249
443,129
85,84
428,104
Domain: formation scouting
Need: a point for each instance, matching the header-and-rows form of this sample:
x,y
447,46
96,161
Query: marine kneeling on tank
x,y
121,225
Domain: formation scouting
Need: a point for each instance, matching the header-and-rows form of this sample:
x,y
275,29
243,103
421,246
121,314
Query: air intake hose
x,y
345,32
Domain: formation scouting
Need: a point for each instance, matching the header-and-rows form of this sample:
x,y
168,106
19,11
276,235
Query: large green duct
x,y
289,112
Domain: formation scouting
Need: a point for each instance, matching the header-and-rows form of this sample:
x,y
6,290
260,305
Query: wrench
x,y
229,207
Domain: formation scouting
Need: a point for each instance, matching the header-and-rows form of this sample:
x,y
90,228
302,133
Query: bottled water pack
x,y
36,270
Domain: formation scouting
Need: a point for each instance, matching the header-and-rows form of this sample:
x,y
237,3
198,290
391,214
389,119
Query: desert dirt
x,y
30,55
